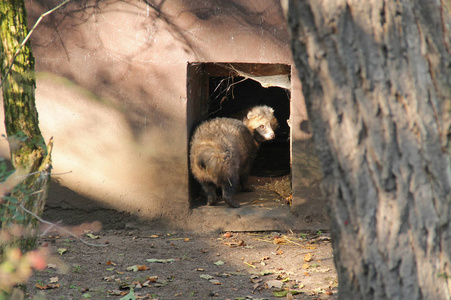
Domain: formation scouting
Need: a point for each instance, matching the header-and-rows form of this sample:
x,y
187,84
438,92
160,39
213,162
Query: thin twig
x,y
28,37
46,173
290,241
54,174
60,228
37,192
49,228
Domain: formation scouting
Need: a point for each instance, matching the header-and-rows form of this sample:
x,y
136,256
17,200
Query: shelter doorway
x,y
225,90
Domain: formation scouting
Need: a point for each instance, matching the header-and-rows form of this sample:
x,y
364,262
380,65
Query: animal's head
x,y
262,123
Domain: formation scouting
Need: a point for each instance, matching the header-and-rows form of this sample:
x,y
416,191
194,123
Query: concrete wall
x,y
112,91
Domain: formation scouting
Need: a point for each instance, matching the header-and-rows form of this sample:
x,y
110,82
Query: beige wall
x,y
112,91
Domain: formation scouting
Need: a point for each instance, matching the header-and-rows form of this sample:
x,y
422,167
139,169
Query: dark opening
x,y
217,91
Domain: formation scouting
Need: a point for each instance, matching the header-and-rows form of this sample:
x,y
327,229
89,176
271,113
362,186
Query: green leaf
x,y
19,217
280,294
93,236
129,296
12,207
11,199
219,263
132,268
286,279
284,293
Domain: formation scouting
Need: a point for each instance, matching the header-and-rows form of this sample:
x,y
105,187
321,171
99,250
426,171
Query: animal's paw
x,y
231,203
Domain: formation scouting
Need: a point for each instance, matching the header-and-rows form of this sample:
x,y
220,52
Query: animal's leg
x,y
228,190
244,176
243,182
210,191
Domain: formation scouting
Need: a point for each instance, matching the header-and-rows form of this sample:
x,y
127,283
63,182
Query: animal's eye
x,y
262,126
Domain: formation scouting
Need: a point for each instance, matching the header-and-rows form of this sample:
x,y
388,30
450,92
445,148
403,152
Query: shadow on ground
x,y
177,265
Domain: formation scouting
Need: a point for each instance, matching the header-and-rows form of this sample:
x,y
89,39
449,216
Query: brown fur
x,y
222,151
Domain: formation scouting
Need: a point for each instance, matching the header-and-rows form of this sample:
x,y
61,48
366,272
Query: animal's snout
x,y
271,136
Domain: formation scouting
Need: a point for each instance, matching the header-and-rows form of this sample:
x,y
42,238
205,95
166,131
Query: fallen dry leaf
x,y
133,268
235,243
279,240
256,280
146,283
227,234
305,266
92,236
274,283
110,263
109,278
324,270
288,200
116,293
278,252
219,263
266,272
155,260
47,286
308,257
142,267
309,247
136,268
54,279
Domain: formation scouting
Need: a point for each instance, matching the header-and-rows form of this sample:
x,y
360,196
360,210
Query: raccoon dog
x,y
222,151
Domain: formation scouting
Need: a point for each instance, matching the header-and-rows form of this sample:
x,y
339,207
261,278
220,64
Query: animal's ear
x,y
274,124
251,115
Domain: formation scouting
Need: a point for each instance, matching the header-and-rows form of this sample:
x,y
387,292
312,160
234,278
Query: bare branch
x,y
59,227
49,228
28,37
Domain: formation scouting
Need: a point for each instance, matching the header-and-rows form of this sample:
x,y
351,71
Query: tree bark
x,y
376,79
29,155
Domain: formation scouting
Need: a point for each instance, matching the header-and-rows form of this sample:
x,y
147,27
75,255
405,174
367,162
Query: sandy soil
x,y
140,263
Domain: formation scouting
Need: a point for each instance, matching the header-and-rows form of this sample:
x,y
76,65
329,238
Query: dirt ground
x,y
139,261
142,263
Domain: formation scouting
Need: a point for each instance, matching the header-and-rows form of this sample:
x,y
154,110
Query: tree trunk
x,y
376,79
21,121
